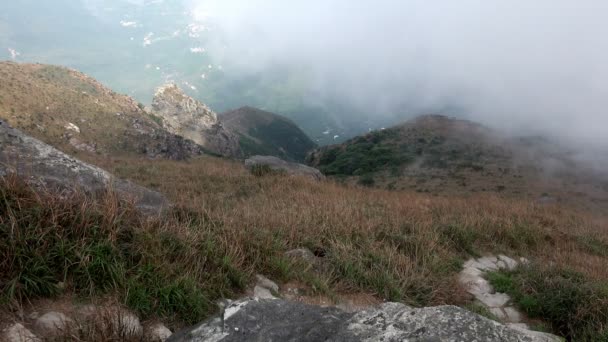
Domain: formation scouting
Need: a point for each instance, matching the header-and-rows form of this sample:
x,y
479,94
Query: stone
x,y
511,264
498,313
267,283
303,254
513,315
494,300
262,293
536,335
46,167
184,116
278,320
488,263
127,323
501,265
279,165
158,333
19,333
53,324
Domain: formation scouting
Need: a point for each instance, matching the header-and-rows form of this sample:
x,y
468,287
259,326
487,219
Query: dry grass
x,y
229,225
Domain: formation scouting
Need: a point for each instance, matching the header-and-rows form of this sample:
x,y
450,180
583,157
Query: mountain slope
x,y
77,114
193,120
265,133
438,154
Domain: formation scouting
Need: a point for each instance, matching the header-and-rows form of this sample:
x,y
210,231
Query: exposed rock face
x,y
46,166
280,165
278,320
191,119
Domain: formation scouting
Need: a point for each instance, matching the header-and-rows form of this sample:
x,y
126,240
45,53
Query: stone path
x,y
499,304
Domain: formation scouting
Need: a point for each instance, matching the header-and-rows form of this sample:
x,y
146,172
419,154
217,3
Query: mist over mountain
x,y
340,68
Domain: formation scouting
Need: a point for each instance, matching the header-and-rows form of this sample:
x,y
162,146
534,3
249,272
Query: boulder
x,y
279,165
278,320
53,324
46,167
184,116
18,333
158,333
126,323
266,283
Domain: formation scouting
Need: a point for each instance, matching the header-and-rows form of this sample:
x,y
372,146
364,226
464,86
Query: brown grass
x,y
228,225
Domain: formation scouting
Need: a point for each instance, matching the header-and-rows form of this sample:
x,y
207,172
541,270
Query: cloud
x,y
535,65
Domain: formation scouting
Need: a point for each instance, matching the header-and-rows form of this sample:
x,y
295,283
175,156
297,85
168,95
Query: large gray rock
x,y
184,116
278,320
45,166
277,164
18,333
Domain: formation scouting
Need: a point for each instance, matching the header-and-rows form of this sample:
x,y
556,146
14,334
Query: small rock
x,y
19,333
53,323
488,263
85,312
501,264
511,264
498,313
513,315
277,164
495,300
70,126
128,323
267,283
262,293
159,333
302,254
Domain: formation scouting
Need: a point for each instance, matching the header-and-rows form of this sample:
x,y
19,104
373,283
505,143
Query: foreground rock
x,y
276,164
45,166
278,320
191,119
18,333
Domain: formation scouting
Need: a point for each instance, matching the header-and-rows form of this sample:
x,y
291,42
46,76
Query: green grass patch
x,y
573,306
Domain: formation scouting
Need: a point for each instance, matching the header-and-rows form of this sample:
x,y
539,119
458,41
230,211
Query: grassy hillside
x,y
78,115
437,154
264,133
229,225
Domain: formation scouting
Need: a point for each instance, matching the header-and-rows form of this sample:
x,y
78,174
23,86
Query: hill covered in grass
x,y
438,154
78,115
228,225
265,133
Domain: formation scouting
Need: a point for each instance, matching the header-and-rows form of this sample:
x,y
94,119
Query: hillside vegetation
x,y
264,133
78,115
436,154
228,225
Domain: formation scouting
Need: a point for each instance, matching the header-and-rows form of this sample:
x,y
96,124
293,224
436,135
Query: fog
x,y
526,66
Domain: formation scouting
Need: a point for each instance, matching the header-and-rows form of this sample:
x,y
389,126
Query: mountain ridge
x,y
265,133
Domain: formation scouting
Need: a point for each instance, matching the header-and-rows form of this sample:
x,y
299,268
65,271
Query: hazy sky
x,y
534,64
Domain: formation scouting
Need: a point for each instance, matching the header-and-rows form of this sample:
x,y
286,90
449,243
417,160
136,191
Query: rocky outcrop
x,y
278,320
191,119
47,167
258,163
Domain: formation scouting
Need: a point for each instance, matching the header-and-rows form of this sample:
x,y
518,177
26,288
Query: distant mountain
x,y
265,133
75,113
438,154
